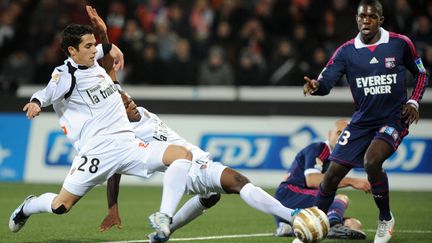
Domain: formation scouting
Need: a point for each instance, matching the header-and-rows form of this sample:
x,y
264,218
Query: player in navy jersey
x,y
375,64
299,190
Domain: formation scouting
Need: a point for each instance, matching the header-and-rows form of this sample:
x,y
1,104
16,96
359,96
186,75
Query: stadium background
x,y
245,108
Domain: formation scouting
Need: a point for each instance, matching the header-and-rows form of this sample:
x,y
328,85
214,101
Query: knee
x,y
210,201
175,152
189,155
184,153
330,183
344,198
235,184
371,165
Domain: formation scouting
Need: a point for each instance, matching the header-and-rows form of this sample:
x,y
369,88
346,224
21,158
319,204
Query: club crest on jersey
x,y
390,62
55,77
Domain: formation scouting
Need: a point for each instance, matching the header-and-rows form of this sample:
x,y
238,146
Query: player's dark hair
x,y
377,4
72,36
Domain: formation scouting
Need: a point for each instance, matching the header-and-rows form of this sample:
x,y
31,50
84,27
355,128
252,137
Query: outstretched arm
x,y
114,61
113,217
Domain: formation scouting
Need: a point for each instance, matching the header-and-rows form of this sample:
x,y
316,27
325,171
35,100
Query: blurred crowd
x,y
200,42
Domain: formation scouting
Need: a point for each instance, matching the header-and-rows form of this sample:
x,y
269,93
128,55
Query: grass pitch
x,y
231,217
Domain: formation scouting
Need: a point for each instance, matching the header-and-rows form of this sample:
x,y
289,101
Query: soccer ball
x,y
311,225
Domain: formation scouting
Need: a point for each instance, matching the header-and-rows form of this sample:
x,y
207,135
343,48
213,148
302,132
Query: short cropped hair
x,y
72,36
375,3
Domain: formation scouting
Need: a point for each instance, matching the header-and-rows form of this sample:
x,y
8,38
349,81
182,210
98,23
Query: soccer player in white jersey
x,y
93,117
206,178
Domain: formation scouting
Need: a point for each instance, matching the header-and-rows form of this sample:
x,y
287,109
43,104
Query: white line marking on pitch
x,y
201,238
255,235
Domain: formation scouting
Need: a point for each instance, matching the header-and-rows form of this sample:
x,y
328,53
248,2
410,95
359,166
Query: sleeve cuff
x,y
414,103
106,48
117,84
34,100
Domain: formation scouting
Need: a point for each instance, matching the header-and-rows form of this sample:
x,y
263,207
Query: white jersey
x,y
151,128
204,174
89,108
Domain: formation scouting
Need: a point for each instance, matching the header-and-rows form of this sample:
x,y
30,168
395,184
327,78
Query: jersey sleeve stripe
x,y
421,79
420,87
408,41
325,153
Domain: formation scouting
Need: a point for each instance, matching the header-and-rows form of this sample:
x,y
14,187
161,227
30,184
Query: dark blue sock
x,y
323,199
336,212
380,193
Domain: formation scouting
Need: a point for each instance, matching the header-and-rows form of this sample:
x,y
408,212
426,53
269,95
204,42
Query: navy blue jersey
x,y
306,162
376,75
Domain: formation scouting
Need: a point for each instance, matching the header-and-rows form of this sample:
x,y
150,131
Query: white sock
x,y
188,212
174,184
41,204
261,200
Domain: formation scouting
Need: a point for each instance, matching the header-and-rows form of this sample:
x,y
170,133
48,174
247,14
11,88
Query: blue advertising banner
x,y
275,152
14,132
59,151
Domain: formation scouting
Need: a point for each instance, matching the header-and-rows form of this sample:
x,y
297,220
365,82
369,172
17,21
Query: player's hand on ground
x,y
109,221
32,110
310,86
118,57
99,25
410,114
361,184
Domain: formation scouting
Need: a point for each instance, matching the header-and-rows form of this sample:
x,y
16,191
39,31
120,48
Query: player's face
x,y
85,55
368,22
131,108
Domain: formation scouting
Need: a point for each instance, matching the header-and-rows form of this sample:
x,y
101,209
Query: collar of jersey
x,y
385,36
74,64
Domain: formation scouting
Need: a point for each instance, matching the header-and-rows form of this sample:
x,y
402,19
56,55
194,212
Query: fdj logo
x,y
249,151
258,151
59,150
412,156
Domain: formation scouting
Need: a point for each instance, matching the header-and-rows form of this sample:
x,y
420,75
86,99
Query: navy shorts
x,y
354,141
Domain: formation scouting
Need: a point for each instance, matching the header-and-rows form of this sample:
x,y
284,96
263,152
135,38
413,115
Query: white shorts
x,y
128,156
205,177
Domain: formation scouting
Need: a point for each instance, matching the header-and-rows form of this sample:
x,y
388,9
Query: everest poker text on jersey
x,y
373,85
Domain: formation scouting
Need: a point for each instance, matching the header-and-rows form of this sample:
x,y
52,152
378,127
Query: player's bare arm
x,y
32,109
356,183
410,113
100,28
98,24
113,216
310,86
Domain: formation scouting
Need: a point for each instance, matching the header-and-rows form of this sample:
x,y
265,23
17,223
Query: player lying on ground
x,y
206,178
93,117
375,64
300,187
